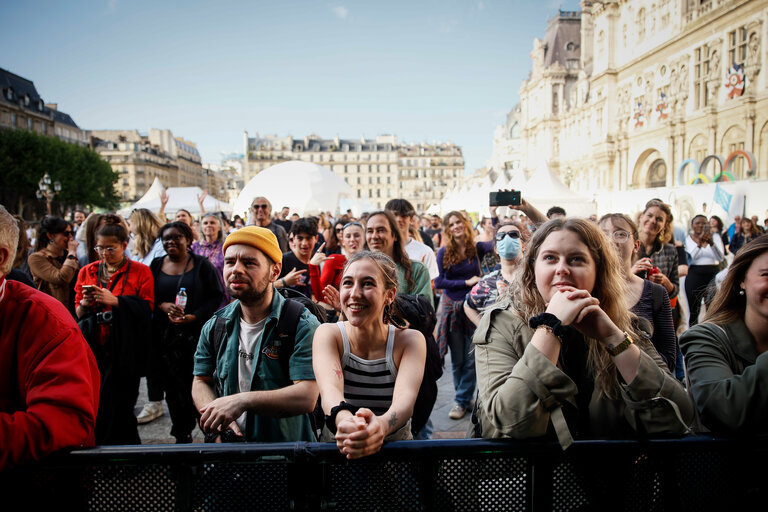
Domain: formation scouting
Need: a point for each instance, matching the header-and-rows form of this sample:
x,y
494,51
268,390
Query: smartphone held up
x,y
505,198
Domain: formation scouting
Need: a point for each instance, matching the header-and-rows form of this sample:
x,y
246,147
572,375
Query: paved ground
x,y
158,431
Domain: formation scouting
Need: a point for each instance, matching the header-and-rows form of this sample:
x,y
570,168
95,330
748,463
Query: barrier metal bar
x,y
694,473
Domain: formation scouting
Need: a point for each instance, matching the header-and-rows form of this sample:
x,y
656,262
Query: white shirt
x,y
709,255
420,252
247,341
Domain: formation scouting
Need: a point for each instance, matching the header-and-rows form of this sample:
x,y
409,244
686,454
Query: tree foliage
x,y
86,179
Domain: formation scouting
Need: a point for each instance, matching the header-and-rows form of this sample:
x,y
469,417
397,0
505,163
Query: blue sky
x,y
443,70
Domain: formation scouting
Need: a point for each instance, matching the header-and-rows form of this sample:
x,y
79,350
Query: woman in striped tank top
x,y
368,370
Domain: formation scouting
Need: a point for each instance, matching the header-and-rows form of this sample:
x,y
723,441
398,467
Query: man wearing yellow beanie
x,y
243,387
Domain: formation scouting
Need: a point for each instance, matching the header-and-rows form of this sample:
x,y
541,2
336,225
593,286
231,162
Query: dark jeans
x,y
115,420
175,378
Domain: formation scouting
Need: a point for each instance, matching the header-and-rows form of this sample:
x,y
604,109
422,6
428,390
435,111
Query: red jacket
x,y
139,282
49,381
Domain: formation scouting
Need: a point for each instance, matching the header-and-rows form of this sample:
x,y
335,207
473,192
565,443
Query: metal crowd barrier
x,y
696,473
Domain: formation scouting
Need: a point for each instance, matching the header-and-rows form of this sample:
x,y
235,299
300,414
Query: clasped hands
x,y
580,310
360,434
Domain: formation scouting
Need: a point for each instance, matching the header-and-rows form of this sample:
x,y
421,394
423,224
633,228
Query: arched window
x,y
657,174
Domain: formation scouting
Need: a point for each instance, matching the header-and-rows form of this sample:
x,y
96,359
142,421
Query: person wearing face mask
x,y
511,238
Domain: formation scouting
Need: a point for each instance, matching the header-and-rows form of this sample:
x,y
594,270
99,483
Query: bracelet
x,y
548,320
551,331
330,420
282,281
615,350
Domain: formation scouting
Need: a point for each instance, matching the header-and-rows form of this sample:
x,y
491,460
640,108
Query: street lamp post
x,y
47,190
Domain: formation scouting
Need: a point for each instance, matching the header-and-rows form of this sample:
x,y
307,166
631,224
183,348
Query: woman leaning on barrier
x,y
368,371
560,350
725,355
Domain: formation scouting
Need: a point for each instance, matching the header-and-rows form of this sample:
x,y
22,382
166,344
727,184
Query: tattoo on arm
x,y
339,373
392,420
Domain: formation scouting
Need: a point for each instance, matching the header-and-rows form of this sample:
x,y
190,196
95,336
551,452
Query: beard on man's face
x,y
252,294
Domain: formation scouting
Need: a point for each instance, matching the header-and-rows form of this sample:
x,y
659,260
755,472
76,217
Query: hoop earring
x,y
386,311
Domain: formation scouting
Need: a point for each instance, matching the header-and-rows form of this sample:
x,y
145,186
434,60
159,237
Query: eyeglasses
x,y
340,229
174,238
108,250
262,206
510,234
620,236
67,233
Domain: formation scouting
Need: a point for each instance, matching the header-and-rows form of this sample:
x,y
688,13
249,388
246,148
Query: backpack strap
x,y
285,331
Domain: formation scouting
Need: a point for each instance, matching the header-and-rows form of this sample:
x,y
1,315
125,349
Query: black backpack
x,y
420,315
284,339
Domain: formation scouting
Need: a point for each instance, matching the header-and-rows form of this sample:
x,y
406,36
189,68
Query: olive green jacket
x,y
520,391
728,379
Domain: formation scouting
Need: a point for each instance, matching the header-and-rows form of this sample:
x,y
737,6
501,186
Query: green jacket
x,y
268,372
422,284
728,379
520,391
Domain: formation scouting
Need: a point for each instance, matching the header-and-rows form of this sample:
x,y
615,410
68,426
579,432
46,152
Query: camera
x,y
104,317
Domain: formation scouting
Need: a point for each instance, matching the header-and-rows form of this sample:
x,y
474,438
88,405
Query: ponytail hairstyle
x,y
50,226
388,270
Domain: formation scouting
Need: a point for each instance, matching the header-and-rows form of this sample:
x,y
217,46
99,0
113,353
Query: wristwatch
x,y
615,350
71,257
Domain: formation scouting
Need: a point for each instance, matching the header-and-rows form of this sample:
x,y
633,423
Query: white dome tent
x,y
178,198
304,187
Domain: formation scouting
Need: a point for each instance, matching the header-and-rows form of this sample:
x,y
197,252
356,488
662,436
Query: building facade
x,y
635,94
139,159
22,108
378,170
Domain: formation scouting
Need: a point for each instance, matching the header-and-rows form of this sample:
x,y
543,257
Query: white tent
x,y
544,190
304,187
178,198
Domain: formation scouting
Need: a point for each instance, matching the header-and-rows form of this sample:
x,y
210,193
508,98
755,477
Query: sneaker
x,y
150,412
457,412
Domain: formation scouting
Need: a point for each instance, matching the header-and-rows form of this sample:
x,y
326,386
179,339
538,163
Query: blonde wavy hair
x,y
145,226
609,289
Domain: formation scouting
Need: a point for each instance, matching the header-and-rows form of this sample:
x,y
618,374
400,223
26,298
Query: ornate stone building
x,y
378,170
634,94
22,108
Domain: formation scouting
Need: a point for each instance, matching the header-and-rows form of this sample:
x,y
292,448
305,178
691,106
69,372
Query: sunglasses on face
x,y
259,206
510,234
67,233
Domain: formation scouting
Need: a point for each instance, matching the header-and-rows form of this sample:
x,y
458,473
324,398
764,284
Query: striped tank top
x,y
369,383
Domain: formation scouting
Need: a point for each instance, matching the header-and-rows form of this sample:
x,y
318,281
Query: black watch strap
x,y
330,420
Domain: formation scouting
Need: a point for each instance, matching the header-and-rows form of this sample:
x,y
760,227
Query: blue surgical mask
x,y
508,248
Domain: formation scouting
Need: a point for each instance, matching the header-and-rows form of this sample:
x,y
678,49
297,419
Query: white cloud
x,y
341,12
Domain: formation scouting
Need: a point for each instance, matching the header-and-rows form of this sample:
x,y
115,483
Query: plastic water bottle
x,y
181,298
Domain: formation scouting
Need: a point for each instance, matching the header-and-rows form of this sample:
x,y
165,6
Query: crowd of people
x,y
275,327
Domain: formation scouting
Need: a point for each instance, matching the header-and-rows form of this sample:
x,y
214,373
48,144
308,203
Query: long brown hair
x,y
728,305
400,257
453,254
609,289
